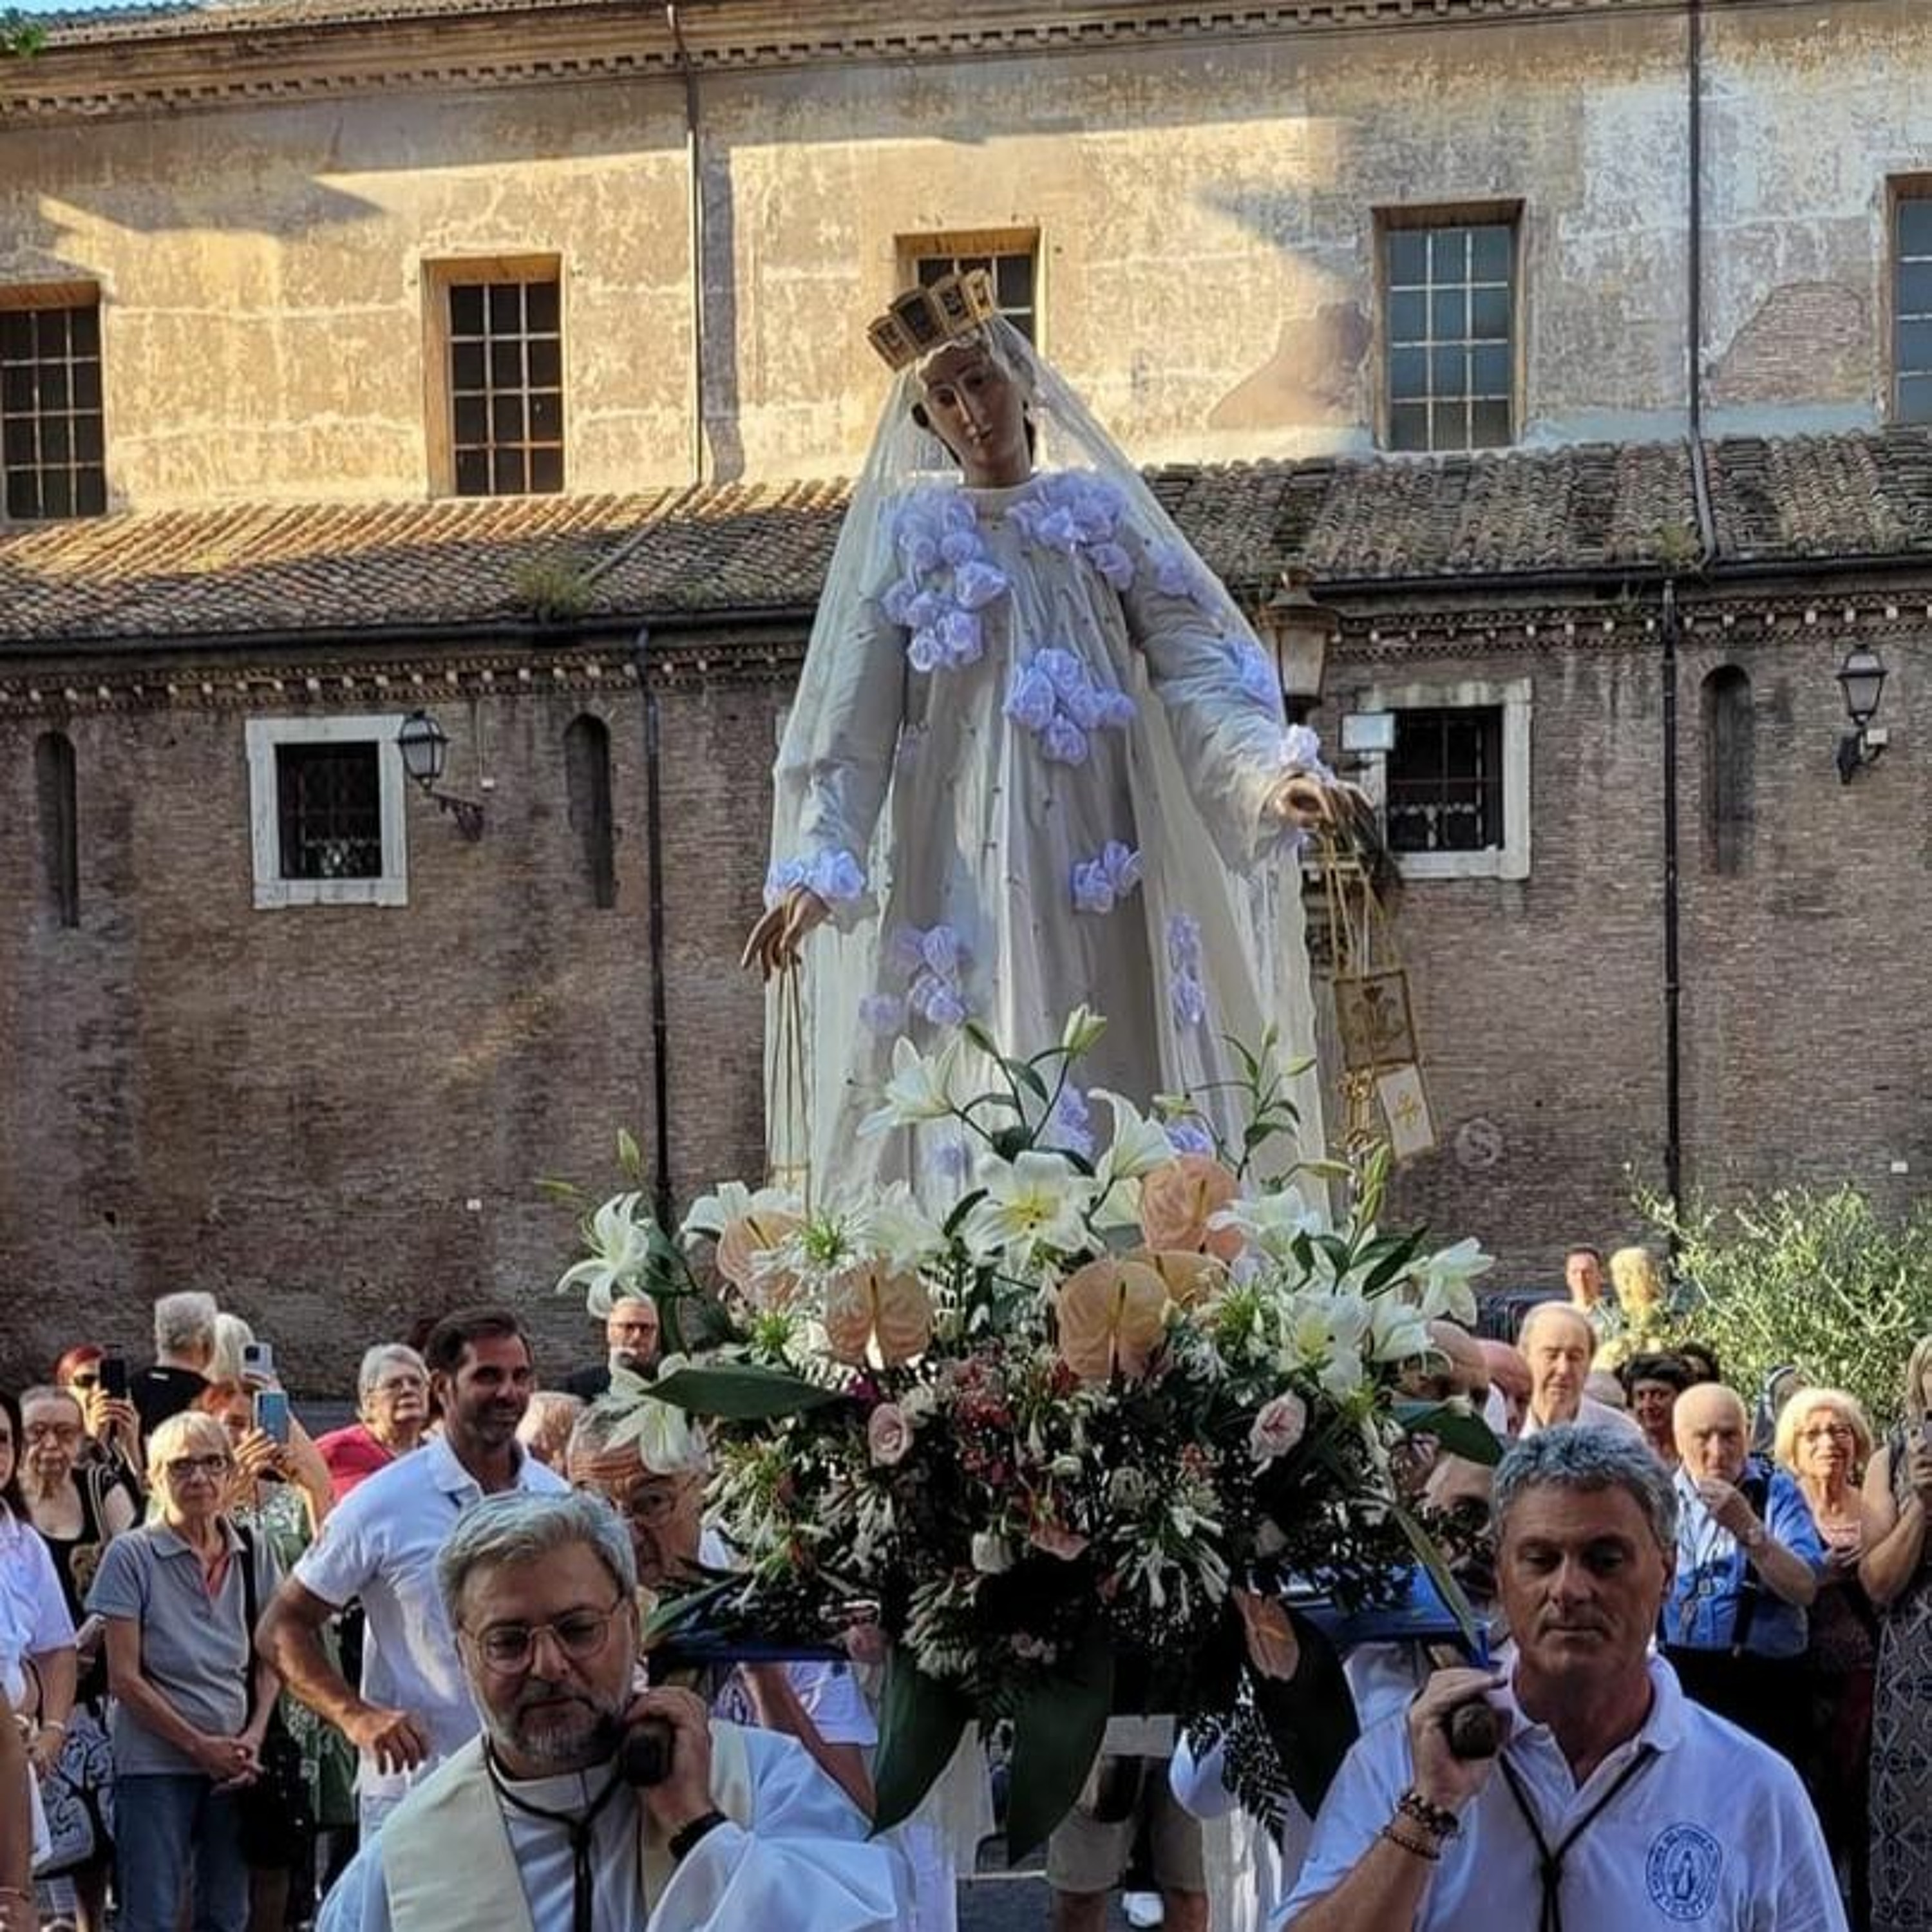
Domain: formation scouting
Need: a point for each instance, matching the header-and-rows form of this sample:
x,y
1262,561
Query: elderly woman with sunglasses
x,y
188,1732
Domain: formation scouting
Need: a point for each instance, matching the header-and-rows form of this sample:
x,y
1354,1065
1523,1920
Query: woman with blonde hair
x,y
1896,1569
1643,1308
1823,1438
191,1700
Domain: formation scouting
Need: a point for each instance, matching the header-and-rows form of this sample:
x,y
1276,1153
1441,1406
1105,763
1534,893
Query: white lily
x,y
920,1089
1397,1332
1319,1327
1035,1201
1272,1222
711,1214
1445,1279
619,1244
1139,1145
1083,1026
901,1232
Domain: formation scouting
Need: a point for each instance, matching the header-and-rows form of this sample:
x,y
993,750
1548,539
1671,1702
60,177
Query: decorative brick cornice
x,y
166,59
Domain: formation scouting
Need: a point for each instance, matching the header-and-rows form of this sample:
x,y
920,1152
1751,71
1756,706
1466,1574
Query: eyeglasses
x,y
401,1385
1829,1432
180,1468
508,1649
68,1433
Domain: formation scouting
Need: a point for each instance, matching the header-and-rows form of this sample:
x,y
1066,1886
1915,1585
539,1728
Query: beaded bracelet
x,y
1437,1821
1417,1847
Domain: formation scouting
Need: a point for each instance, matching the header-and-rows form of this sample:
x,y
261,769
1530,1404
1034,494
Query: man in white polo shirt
x,y
1557,1342
1615,1804
380,1544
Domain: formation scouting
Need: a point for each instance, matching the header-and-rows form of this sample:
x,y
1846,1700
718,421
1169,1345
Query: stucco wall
x,y
1205,211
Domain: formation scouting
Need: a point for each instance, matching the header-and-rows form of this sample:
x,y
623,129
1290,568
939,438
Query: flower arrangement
x,y
1078,1433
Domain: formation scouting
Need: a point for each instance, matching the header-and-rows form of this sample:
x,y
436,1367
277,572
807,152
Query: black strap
x,y
578,1826
1549,1864
250,1613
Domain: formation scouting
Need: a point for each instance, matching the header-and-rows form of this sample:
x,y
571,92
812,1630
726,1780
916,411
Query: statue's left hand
x,y
1302,801
775,940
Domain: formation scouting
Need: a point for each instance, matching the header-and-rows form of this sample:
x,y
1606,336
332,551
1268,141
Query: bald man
x,y
1558,1342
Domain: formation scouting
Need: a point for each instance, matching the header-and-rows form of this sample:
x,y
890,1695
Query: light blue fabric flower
x,y
837,877
1062,742
1099,883
1187,998
882,1013
1189,1136
1029,699
1070,1127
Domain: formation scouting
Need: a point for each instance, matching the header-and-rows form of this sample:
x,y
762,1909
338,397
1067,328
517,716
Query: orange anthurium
x,y
865,1305
1188,1276
1177,1199
1112,1314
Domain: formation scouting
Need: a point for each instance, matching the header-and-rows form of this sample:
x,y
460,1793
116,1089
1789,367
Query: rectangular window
x,y
51,444
1453,787
328,807
1011,258
1448,329
497,367
326,800
1445,781
1912,308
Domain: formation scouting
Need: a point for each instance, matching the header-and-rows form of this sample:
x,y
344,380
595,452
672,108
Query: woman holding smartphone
x,y
1896,1569
280,1493
80,1505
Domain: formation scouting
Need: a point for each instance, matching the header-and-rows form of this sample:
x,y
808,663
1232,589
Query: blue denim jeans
x,y
170,1831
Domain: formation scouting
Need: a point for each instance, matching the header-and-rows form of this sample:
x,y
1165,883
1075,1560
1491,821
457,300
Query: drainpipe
x,y
661,1189
1673,982
694,239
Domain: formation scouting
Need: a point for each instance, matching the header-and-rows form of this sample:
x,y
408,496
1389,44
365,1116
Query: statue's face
x,y
975,408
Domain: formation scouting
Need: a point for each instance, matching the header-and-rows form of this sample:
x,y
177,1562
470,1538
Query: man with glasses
x,y
413,1709
546,1823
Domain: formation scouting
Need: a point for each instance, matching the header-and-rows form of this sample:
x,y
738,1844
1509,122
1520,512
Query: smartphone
x,y
1925,1434
258,1359
272,1414
644,1757
114,1377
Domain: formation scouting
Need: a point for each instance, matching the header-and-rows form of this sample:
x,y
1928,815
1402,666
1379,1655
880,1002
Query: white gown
x,y
1035,771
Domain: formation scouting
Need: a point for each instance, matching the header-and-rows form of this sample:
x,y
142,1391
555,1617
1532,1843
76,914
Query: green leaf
x,y
1401,1251
975,1031
741,1392
1431,1559
1029,1078
1458,1431
1057,1735
919,1723
956,1220
675,1613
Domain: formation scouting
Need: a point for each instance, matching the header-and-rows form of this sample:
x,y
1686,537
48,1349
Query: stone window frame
x,y
70,298
1515,697
1899,190
1504,211
263,737
954,245
439,274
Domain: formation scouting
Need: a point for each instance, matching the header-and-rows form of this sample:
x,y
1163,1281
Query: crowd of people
x,y
261,1680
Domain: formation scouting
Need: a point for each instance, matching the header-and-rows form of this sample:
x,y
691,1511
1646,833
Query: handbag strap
x,y
249,1613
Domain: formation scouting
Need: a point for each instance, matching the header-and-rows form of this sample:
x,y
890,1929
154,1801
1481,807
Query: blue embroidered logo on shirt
x,y
1682,1870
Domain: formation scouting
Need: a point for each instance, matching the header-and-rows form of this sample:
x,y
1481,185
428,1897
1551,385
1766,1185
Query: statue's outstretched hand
x,y
775,940
1309,804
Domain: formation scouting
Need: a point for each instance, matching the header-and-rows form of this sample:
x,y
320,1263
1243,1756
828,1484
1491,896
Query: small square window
x,y
326,810
1449,302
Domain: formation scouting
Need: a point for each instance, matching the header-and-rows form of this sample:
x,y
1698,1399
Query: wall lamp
x,y
1862,678
425,748
1299,631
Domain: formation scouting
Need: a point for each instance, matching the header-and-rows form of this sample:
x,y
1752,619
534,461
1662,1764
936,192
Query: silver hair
x,y
1546,1312
231,1335
376,1360
185,1323
525,1526
594,1431
1577,1456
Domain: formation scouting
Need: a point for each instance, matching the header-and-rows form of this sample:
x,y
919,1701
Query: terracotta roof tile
x,y
764,547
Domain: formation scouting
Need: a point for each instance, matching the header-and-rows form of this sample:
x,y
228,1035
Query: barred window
x,y
51,444
1011,260
1449,295
329,808
506,341
1912,309
1445,781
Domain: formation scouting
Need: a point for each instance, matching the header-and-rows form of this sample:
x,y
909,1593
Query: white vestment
x,y
455,1855
1071,802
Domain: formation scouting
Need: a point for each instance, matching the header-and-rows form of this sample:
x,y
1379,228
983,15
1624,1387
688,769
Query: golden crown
x,y
924,320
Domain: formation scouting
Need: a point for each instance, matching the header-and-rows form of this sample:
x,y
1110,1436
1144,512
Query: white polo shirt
x,y
380,1543
1715,1833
